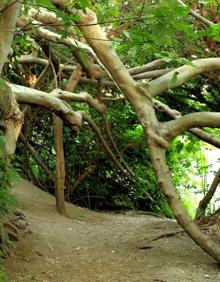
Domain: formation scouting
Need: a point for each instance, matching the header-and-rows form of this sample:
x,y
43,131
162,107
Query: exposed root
x,y
164,235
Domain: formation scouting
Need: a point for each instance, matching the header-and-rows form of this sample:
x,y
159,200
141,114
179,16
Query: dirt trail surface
x,y
92,247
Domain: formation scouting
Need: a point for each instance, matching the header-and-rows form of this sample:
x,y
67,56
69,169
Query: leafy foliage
x,y
7,175
3,277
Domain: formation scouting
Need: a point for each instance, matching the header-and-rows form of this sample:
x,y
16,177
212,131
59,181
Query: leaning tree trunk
x,y
166,186
141,100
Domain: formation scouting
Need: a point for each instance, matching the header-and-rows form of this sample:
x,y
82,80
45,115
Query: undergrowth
x,y
7,175
3,277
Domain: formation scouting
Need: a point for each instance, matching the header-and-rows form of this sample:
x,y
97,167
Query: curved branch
x,y
183,74
49,35
215,141
35,97
202,135
82,97
88,170
141,102
201,119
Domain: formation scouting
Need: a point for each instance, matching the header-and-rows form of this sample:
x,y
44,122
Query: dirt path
x,y
92,247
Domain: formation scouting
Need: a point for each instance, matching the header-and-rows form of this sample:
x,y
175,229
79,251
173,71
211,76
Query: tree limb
x,y
37,158
182,74
105,145
202,135
200,211
35,97
82,97
201,119
195,14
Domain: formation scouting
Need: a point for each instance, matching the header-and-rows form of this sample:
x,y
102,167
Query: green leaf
x,y
174,77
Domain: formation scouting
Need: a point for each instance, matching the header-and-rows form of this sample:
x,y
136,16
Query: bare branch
x,y
44,33
208,196
88,170
201,119
37,158
30,59
161,107
215,141
105,145
196,15
108,130
81,97
150,74
35,97
148,67
182,74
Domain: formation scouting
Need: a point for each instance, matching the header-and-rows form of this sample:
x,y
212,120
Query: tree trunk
x,y
60,165
10,115
9,13
142,104
60,159
158,156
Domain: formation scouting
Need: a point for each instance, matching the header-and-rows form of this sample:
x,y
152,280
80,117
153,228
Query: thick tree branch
x,y
138,73
202,135
181,75
35,97
147,67
201,119
46,34
164,178
142,104
150,74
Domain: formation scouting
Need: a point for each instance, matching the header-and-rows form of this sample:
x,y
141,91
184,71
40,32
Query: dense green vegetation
x,y
7,175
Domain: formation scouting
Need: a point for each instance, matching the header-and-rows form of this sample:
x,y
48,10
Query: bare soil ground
x,y
90,246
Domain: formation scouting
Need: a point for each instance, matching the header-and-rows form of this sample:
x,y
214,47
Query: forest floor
x,y
105,247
